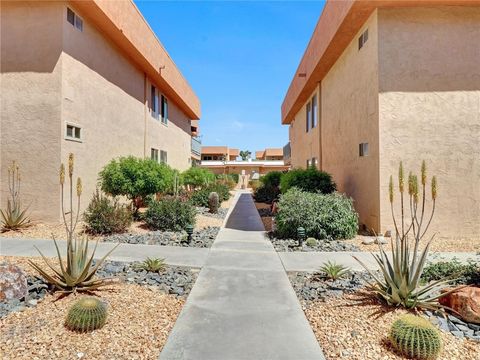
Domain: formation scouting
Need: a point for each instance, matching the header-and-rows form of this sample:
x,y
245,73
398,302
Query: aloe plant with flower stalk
x,y
400,285
14,217
78,274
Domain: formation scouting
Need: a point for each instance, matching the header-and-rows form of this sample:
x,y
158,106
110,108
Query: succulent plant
x,y
311,242
213,202
78,273
87,314
334,271
152,265
14,217
415,337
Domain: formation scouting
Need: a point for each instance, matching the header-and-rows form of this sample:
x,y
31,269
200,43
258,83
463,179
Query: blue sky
x,y
239,58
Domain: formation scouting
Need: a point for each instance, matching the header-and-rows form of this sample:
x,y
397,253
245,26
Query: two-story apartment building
x,y
388,81
269,154
89,78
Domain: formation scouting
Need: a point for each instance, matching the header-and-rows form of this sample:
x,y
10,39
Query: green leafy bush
x,y
106,216
311,180
254,184
324,216
334,271
200,197
272,178
467,274
136,178
197,177
266,193
170,214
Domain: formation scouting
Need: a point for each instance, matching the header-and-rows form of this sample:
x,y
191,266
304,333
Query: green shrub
x,y
200,197
234,177
311,180
14,217
197,177
467,274
170,214
324,216
415,337
136,178
152,265
334,271
272,178
266,193
254,184
312,242
106,216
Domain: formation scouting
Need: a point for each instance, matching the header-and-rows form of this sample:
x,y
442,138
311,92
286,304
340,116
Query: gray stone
x,y
458,334
368,241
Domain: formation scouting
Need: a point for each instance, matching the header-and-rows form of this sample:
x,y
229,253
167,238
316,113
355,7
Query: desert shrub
x,y
200,197
266,193
234,177
106,216
14,217
254,184
170,214
136,178
198,177
272,178
468,274
311,180
324,216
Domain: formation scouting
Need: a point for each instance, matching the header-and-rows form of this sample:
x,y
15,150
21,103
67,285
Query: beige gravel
x,y
347,329
139,321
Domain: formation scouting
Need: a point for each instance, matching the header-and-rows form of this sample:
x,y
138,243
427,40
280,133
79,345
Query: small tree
x,y
136,179
197,177
245,154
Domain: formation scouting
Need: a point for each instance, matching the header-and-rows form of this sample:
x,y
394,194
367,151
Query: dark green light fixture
x,y
189,230
301,235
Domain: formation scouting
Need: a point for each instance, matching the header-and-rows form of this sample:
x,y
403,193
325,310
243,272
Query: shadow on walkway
x,y
245,216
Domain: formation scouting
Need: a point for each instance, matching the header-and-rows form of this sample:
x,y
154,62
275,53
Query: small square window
x,y
74,132
70,16
363,149
163,157
78,23
314,162
309,163
74,19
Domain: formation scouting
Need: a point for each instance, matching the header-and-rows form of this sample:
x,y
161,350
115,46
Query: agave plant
x,y
78,273
334,271
152,265
14,217
399,284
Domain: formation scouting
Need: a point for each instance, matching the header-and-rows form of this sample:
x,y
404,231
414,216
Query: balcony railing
x,y
196,146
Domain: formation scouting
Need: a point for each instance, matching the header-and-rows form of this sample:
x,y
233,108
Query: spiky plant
x,y
152,265
400,281
334,271
87,314
415,337
213,202
14,217
78,272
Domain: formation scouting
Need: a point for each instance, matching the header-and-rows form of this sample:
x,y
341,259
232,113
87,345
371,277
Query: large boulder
x,y
465,301
13,282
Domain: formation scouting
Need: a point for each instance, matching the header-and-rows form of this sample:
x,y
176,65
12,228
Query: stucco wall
x,y
305,145
350,117
31,80
89,83
430,108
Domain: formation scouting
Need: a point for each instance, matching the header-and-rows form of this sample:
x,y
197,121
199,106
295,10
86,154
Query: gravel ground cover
x,y
354,327
202,238
288,245
221,214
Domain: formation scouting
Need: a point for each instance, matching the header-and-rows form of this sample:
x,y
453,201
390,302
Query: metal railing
x,y
196,146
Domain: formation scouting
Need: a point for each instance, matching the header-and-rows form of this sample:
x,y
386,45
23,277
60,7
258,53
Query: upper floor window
x,y
154,154
73,132
163,157
362,39
154,100
308,119
74,19
314,111
363,149
164,110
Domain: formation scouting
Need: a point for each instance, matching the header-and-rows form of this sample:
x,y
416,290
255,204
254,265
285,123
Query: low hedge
x,y
200,197
311,180
170,214
324,216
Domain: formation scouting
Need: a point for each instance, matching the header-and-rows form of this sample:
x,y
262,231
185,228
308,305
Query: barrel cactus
x,y
415,337
87,314
213,202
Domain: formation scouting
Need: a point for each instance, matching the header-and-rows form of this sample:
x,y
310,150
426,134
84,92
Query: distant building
x,y
387,81
223,160
269,154
89,78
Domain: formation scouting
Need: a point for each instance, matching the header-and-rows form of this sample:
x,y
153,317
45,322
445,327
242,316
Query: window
x,y
314,162
309,116
74,19
309,163
363,149
154,100
163,157
362,39
154,154
73,132
314,111
164,110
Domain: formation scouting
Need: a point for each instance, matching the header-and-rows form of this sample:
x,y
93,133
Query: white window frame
x,y
164,109
308,116
154,102
154,154
163,157
77,20
363,149
74,126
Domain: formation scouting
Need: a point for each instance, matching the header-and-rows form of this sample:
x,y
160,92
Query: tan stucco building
x,y
269,154
91,78
385,81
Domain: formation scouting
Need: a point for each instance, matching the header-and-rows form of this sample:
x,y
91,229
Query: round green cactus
x,y
415,337
311,242
87,314
213,202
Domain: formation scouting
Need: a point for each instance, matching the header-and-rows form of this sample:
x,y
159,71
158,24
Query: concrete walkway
x,y
242,306
173,255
